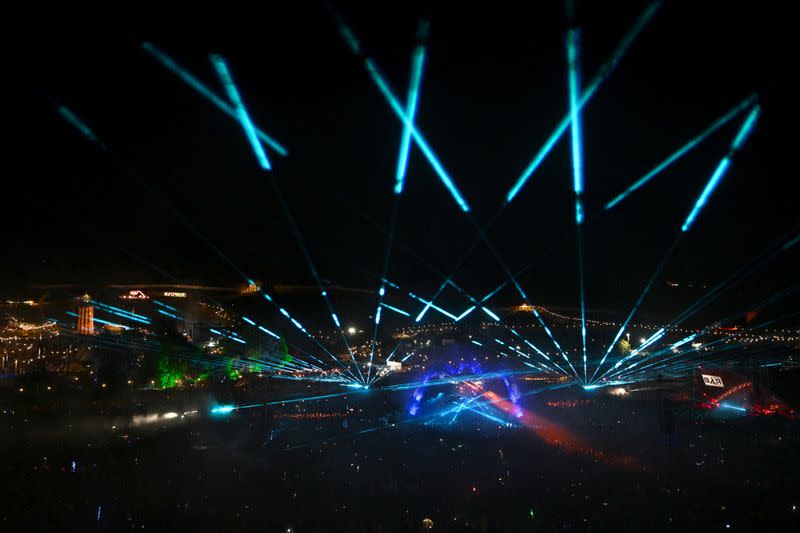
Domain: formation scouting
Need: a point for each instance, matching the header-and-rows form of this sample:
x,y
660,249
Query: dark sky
x,y
493,89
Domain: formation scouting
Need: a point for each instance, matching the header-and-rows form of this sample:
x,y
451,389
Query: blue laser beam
x,y
490,313
121,312
598,80
656,274
396,310
465,313
723,166
734,407
165,306
394,103
720,122
574,113
383,86
268,332
411,110
188,78
241,112
431,305
167,313
78,124
577,165
101,321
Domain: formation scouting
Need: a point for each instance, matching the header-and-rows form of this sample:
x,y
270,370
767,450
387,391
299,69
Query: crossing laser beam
x,y
722,167
598,80
241,112
188,78
383,86
411,110
465,313
394,103
431,305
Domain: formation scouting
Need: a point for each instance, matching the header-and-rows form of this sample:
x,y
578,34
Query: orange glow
x,y
552,433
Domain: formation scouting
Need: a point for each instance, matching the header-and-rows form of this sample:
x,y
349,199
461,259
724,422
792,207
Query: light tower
x,y
85,324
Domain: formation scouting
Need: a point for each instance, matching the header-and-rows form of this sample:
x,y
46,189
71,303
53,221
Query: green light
x,y
170,371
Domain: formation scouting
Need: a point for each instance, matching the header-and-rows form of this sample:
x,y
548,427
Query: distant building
x,y
85,325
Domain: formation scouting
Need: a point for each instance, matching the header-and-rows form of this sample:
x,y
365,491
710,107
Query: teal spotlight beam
x,y
417,62
429,304
396,310
683,150
411,110
241,111
639,300
540,352
394,103
188,78
737,143
604,72
599,78
295,230
78,124
573,72
723,166
387,92
183,221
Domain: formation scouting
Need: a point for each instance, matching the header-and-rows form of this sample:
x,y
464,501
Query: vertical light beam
x,y
598,80
574,114
411,111
573,72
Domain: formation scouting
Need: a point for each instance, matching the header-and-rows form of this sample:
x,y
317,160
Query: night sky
x,y
493,89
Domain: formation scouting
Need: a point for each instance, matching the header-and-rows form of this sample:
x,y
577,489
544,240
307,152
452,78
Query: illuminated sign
x,y
171,294
712,381
252,288
135,295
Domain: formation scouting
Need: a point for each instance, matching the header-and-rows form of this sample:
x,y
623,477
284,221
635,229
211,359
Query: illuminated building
x,y
85,325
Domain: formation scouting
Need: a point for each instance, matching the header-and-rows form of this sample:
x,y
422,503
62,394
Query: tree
x,y
624,346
